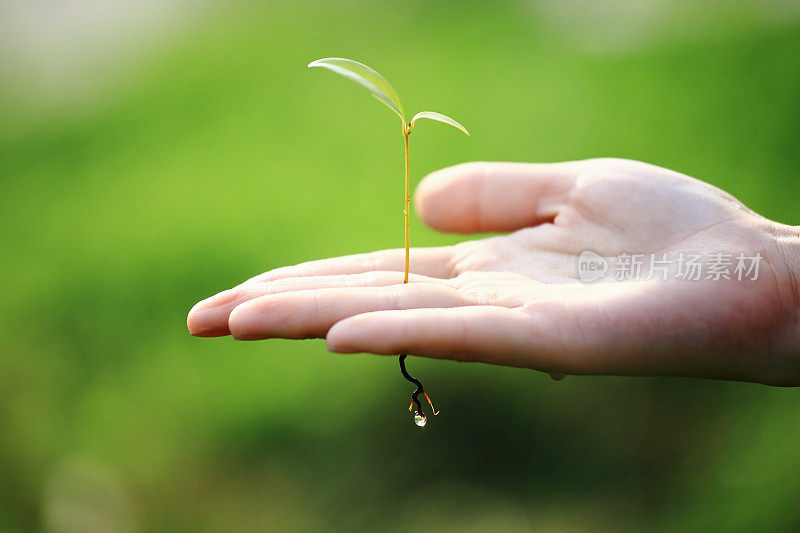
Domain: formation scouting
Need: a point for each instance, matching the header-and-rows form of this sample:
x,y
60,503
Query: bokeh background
x,y
153,153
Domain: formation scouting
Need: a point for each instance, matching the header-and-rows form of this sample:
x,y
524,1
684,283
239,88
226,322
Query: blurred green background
x,y
152,154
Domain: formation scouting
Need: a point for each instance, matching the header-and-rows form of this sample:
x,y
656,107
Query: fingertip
x,y
364,333
440,196
191,320
244,323
358,334
204,318
339,337
201,324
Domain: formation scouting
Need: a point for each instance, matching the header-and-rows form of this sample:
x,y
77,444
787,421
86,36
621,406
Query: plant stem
x,y
406,209
406,133
406,213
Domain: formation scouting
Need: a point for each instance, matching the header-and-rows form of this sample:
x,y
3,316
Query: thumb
x,y
486,197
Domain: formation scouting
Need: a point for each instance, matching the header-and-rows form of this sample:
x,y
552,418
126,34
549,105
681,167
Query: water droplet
x,y
420,419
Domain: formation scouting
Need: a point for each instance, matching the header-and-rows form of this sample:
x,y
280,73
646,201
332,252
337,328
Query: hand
x,y
517,300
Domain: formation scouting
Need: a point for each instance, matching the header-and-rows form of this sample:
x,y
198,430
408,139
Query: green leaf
x,y
433,115
367,78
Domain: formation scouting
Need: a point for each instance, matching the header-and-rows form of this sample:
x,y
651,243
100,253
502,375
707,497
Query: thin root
x,y
435,412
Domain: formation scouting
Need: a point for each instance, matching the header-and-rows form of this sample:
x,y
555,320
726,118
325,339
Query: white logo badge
x,y
591,266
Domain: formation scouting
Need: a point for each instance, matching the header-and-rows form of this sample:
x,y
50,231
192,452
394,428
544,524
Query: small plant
x,y
381,89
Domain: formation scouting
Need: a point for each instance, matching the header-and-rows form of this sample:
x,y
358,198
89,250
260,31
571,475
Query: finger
x,y
602,329
567,329
209,318
481,197
434,262
490,334
308,314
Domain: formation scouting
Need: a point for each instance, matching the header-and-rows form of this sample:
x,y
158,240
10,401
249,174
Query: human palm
x,y
517,299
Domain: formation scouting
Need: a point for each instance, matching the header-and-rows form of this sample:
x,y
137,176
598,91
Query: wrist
x,y
785,263
786,240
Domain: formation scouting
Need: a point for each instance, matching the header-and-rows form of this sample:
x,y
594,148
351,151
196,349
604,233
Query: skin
x,y
516,299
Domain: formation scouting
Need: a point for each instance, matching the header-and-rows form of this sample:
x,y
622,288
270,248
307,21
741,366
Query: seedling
x,y
383,91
